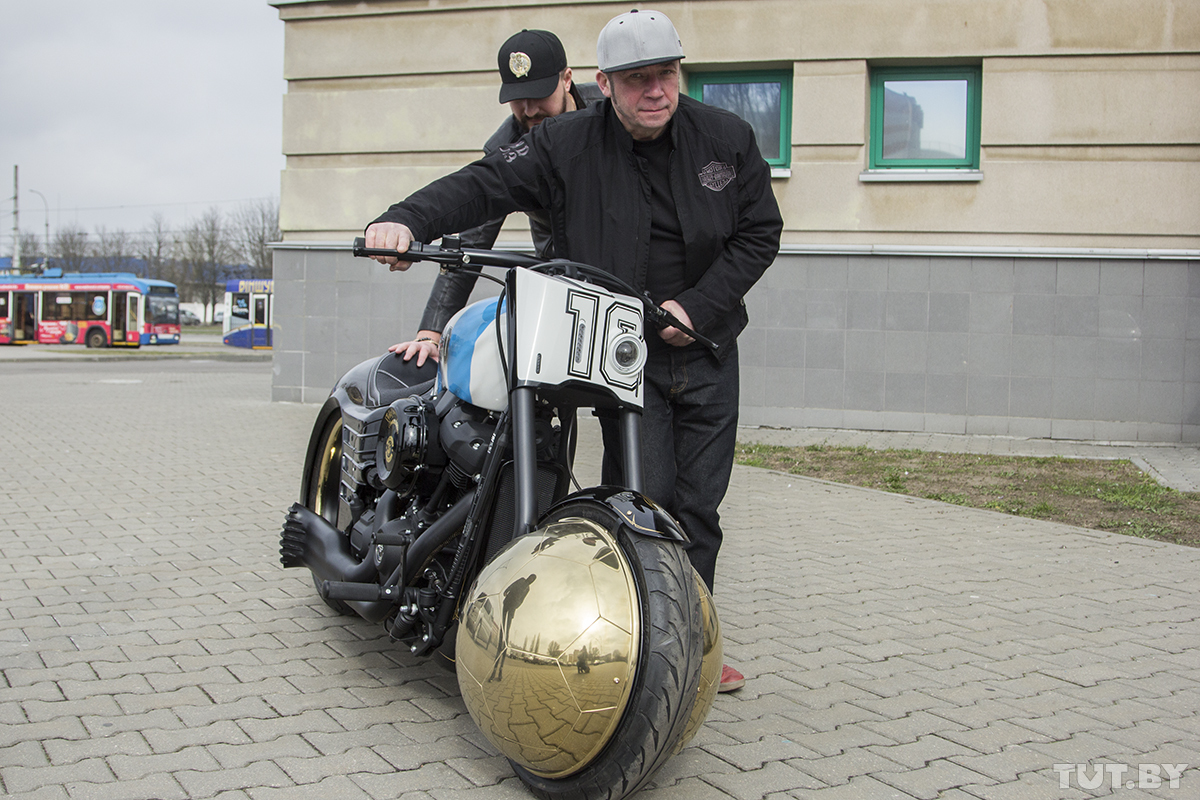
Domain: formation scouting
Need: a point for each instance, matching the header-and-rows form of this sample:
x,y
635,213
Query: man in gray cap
x,y
674,197
537,85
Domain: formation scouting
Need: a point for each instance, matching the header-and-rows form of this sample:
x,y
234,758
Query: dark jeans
x,y
689,433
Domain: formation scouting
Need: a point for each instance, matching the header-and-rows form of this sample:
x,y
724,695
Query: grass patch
x,y
1103,495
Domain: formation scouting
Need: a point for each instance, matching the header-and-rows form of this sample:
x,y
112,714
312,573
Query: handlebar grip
x,y
415,250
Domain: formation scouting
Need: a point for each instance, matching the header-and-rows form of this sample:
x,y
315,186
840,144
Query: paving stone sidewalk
x,y
152,647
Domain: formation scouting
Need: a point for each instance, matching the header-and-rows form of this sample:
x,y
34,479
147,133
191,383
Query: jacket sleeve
x,y
747,253
507,180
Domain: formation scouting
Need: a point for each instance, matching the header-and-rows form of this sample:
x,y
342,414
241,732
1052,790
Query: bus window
x,y
97,306
162,310
132,328
240,309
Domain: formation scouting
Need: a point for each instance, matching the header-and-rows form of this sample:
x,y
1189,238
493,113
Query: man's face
x,y
530,113
645,98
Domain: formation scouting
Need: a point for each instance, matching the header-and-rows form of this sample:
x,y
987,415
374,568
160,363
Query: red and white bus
x,y
99,309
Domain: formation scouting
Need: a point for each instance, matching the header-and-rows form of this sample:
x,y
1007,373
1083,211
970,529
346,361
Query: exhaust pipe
x,y
308,540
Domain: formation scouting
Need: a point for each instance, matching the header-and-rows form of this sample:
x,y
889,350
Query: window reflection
x,y
760,104
925,119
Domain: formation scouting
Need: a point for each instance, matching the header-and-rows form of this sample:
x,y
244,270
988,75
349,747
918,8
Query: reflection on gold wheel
x,y
588,682
548,646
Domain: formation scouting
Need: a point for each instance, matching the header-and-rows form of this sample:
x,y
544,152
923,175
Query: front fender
x,y
639,514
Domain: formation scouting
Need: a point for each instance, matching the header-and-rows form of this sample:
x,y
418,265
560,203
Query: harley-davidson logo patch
x,y
510,152
717,175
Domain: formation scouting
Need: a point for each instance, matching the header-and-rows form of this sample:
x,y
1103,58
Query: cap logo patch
x,y
519,64
716,175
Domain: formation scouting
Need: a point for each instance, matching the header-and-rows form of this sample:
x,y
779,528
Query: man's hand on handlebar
x,y
673,335
423,347
390,236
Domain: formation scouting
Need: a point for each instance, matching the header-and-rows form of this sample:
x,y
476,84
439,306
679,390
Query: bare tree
x,y
255,225
156,247
206,251
112,249
33,249
70,247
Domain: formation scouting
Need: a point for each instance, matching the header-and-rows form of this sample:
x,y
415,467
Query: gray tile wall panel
x,y
1011,346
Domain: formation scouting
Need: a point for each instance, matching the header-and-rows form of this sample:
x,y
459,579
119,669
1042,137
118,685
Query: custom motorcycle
x,y
438,502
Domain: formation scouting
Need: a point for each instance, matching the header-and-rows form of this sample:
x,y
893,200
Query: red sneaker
x,y
731,679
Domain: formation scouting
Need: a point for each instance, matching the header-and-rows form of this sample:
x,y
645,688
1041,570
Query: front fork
x,y
523,400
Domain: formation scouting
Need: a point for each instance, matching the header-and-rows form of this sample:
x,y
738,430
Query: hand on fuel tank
x,y
423,347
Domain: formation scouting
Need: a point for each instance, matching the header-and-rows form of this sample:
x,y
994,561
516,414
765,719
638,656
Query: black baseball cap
x,y
530,63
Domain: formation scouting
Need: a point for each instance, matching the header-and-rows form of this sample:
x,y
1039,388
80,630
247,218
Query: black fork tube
x,y
524,459
631,448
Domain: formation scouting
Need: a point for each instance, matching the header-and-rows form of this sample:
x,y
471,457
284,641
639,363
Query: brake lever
x,y
665,319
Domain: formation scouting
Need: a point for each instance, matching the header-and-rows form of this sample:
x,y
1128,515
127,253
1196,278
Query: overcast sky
x,y
116,109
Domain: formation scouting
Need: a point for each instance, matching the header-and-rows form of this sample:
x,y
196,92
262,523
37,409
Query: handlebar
x,y
453,257
448,256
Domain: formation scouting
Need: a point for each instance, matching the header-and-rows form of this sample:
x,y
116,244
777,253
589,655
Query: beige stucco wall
x,y
1090,128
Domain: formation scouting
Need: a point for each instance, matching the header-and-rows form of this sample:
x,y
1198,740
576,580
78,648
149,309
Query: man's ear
x,y
602,82
567,78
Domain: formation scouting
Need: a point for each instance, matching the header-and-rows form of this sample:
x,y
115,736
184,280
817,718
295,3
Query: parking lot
x,y
151,646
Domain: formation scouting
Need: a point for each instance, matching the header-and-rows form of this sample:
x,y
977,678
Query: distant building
x,y
992,207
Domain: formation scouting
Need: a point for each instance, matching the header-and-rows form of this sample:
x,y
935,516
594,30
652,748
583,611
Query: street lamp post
x,y
46,260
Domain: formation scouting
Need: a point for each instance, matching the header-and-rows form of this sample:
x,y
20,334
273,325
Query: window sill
x,y
781,172
918,175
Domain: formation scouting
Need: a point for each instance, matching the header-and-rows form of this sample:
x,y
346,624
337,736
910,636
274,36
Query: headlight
x,y
627,353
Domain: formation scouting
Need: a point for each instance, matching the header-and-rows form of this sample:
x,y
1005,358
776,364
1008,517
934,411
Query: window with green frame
x,y
762,98
925,118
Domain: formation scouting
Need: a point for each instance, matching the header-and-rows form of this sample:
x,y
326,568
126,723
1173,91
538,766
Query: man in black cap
x,y
536,83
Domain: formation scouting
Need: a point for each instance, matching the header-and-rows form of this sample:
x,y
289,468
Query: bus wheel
x,y
96,338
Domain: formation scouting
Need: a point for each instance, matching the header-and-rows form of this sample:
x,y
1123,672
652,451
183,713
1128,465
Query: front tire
x,y
668,669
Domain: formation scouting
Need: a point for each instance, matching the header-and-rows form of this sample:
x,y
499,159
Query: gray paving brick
x,y
210,782
170,740
160,787
59,728
859,788
307,768
129,767
18,779
435,778
922,751
233,756
67,751
845,767
773,776
935,779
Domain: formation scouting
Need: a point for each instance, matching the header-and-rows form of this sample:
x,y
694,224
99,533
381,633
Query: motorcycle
x,y
587,649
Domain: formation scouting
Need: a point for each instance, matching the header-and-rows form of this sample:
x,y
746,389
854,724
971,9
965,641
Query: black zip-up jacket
x,y
582,169
451,290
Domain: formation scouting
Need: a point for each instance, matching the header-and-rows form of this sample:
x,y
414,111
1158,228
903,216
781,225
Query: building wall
x,y
1055,296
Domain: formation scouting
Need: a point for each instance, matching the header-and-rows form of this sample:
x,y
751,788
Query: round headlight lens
x,y
626,354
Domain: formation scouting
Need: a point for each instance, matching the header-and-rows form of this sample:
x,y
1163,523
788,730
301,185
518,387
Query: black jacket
x,y
451,290
581,167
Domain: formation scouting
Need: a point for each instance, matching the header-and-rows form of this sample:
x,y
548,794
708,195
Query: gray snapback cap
x,y
637,39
